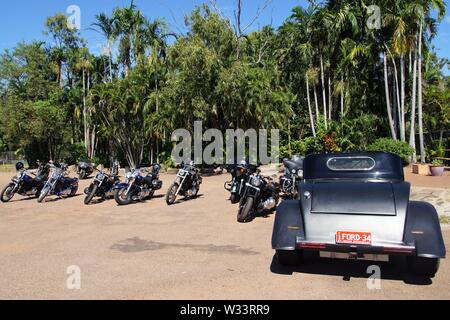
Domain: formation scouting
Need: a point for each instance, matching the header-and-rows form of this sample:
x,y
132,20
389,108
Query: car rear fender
x,y
288,226
423,230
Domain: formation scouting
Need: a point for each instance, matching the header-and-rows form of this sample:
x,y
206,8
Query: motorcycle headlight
x,y
256,182
300,173
129,175
294,171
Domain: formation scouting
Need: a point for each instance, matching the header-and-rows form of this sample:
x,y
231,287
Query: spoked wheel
x,y
43,194
121,197
7,193
171,194
152,193
245,211
91,194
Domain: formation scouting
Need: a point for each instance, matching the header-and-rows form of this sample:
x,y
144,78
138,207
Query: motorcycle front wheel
x,y
171,194
245,211
121,198
82,175
234,198
44,193
7,193
91,194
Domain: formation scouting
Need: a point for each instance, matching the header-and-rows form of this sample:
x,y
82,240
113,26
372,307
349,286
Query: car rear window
x,y
351,163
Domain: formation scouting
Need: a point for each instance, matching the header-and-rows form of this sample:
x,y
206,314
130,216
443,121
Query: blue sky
x,y
23,20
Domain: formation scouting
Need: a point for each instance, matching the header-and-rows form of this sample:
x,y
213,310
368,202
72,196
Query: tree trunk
x,y
86,138
419,98
397,95
402,92
110,61
388,103
330,99
324,96
311,118
316,103
412,135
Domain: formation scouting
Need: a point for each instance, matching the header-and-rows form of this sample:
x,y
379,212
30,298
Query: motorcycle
x,y
102,185
59,183
85,169
25,185
136,187
240,174
187,183
261,195
293,175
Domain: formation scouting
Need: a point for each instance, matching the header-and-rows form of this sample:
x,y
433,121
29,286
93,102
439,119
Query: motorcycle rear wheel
x,y
91,195
245,211
7,193
171,194
120,198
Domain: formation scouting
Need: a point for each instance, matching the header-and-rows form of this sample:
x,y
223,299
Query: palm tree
x,y
107,26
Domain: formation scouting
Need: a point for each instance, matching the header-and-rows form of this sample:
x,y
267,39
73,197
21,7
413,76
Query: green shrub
x,y
74,153
402,149
436,149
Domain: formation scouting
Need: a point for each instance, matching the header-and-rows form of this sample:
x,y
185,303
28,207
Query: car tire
x,y
421,266
289,257
245,211
7,193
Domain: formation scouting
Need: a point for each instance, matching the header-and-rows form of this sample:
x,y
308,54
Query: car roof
x,y
384,165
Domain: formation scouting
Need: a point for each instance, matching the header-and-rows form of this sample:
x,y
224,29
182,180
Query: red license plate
x,y
353,237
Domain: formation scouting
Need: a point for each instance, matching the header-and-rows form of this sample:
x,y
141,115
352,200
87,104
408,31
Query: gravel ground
x,y
191,250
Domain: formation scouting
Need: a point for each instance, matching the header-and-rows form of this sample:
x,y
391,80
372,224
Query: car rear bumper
x,y
356,248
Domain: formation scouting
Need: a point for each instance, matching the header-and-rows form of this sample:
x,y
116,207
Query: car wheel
x,y
121,198
171,194
91,194
245,211
289,257
7,193
423,266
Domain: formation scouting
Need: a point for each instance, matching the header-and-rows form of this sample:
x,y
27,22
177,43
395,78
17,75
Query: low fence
x,y
10,158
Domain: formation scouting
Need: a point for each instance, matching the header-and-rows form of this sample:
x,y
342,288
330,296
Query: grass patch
x,y
444,219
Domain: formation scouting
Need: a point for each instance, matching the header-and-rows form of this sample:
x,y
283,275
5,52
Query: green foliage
x,y
399,148
73,153
435,149
437,162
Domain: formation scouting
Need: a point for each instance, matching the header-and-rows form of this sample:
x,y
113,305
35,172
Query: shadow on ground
x,y
139,245
347,269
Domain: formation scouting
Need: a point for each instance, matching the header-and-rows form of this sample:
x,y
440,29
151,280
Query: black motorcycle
x,y
84,169
136,187
102,186
292,176
59,183
25,185
261,195
187,183
239,174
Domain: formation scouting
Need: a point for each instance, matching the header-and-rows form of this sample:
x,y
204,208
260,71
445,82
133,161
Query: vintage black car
x,y
357,205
